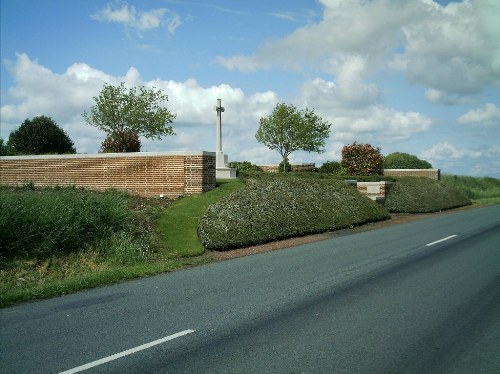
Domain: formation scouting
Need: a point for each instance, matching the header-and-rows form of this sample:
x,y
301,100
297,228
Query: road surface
x,y
418,297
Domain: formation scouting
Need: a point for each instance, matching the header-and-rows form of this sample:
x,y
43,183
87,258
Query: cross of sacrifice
x,y
218,133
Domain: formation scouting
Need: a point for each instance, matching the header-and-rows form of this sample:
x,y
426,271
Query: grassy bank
x,y
484,191
122,237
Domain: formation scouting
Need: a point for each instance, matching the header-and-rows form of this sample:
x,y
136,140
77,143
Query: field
x,y
58,241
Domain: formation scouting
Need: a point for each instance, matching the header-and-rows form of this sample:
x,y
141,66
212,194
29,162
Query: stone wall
x,y
170,174
428,173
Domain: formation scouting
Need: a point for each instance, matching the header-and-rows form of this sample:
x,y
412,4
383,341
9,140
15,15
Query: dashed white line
x,y
126,353
440,240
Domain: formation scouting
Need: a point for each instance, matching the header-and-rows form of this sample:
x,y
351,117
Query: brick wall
x,y
147,174
429,173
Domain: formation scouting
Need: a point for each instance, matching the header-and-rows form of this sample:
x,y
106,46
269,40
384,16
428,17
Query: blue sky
x,y
420,77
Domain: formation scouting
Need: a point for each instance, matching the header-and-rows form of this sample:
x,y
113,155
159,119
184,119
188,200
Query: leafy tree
x,y
401,160
121,142
39,136
120,111
362,159
332,167
3,148
288,129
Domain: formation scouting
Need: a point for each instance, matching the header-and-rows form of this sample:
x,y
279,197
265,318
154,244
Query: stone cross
x,y
218,132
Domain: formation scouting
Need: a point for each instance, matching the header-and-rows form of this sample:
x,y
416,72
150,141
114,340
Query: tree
x,y
119,111
124,142
362,159
401,160
288,129
3,148
39,136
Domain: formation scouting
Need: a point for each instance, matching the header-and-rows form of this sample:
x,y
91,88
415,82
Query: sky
x,y
415,76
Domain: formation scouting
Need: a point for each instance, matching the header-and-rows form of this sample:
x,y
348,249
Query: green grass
x,y
179,223
161,235
482,190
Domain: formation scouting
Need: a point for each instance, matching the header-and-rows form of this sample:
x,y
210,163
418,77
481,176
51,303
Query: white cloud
x,y
452,50
447,151
489,115
127,15
64,97
362,116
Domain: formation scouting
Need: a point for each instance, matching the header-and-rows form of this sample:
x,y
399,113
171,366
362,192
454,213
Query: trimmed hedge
x,y
423,195
273,207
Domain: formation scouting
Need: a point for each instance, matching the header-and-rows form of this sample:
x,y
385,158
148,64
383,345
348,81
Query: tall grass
x,y
48,221
475,188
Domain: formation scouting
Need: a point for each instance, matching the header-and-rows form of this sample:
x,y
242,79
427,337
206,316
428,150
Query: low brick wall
x,y
170,174
428,173
376,191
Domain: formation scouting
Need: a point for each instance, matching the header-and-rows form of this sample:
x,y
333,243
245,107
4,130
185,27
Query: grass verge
x,y
179,223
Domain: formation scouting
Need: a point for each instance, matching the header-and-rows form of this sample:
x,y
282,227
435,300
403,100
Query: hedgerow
x,y
423,195
272,207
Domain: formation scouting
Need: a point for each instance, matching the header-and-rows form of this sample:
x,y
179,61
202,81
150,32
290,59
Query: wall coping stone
x,y
108,155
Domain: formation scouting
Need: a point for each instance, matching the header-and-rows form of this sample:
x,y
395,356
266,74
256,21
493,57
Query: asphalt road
x,y
421,297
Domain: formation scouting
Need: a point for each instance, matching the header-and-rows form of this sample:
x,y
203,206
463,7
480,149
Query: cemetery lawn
x,y
179,223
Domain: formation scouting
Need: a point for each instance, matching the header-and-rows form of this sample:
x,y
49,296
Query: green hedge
x,y
274,207
46,221
423,195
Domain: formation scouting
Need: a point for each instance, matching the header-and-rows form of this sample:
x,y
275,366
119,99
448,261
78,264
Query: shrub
x,y
272,207
46,221
332,167
362,159
284,166
399,160
39,136
245,167
423,195
123,141
3,148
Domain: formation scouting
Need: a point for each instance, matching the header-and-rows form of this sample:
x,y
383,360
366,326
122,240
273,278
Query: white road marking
x,y
126,353
440,240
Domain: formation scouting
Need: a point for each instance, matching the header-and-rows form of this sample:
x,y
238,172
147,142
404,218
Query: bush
x,y
423,195
47,221
123,141
273,207
362,159
332,167
284,166
245,167
39,136
399,160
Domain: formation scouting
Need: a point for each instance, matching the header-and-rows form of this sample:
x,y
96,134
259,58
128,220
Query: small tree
x,y
362,159
120,111
39,136
126,142
288,129
401,160
284,166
